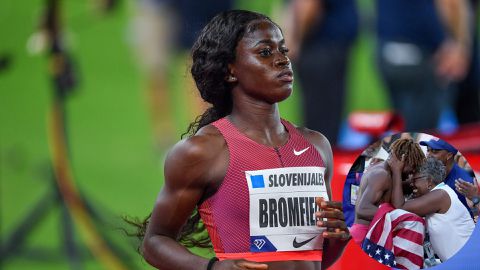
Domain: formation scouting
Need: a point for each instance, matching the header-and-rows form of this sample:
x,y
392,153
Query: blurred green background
x,y
112,153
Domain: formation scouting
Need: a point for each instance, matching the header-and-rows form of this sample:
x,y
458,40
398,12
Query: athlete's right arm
x,y
192,168
185,173
378,183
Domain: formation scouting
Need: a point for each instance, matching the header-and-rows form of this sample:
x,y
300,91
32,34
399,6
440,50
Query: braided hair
x,y
414,156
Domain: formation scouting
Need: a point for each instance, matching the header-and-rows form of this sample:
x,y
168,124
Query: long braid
x,y
414,156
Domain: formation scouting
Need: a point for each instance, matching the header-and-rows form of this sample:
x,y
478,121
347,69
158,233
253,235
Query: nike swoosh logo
x,y
298,153
300,244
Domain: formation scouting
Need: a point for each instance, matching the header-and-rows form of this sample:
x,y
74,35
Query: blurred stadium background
x,y
111,145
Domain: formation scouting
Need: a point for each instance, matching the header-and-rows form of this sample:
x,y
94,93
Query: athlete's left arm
x,y
336,235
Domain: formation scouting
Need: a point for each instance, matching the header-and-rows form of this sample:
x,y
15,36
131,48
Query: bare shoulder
x,y
196,159
377,173
200,146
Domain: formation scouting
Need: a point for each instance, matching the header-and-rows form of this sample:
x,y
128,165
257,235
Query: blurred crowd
x,y
426,56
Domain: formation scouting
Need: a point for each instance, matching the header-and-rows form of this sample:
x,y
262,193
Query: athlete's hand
x,y
239,265
331,217
395,164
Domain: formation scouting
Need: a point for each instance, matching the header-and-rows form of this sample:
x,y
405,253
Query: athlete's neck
x,y
260,122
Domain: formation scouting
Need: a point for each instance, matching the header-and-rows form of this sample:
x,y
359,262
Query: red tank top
x,y
226,214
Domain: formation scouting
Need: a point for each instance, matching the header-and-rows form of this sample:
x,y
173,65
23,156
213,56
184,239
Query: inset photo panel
x,y
411,201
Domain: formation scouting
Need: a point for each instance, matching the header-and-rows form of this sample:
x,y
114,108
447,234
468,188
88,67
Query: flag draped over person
x,y
395,238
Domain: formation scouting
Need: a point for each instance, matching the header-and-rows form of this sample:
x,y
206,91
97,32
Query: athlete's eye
x,y
265,52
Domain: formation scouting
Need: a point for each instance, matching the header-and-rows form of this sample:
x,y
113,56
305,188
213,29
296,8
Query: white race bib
x,y
282,208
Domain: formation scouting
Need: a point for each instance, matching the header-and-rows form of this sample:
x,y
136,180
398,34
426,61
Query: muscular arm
x,y
376,183
193,170
187,167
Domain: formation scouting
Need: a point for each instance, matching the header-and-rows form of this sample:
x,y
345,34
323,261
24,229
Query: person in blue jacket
x,y
441,150
423,47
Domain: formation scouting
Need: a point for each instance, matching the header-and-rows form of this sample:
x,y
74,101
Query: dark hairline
x,y
252,26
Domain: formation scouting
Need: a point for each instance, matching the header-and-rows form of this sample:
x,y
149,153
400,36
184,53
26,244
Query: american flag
x,y
395,238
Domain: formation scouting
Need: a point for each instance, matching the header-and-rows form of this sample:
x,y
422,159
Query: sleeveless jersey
x,y
449,231
264,210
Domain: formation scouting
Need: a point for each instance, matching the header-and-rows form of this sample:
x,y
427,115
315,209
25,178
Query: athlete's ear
x,y
230,78
231,74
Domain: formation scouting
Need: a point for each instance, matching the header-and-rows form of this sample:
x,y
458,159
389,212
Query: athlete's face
x,y
262,67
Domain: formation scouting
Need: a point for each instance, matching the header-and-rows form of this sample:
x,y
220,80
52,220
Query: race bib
x,y
354,194
282,208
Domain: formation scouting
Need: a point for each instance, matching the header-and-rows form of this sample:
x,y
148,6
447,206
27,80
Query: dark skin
x,y
196,167
426,202
467,189
447,158
375,189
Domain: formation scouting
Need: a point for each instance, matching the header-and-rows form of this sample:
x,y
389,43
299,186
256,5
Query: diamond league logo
x,y
259,243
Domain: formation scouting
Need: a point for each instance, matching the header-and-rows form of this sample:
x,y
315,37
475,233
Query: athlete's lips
x,y
286,76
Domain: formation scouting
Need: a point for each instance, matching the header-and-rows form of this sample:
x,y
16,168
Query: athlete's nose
x,y
282,60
